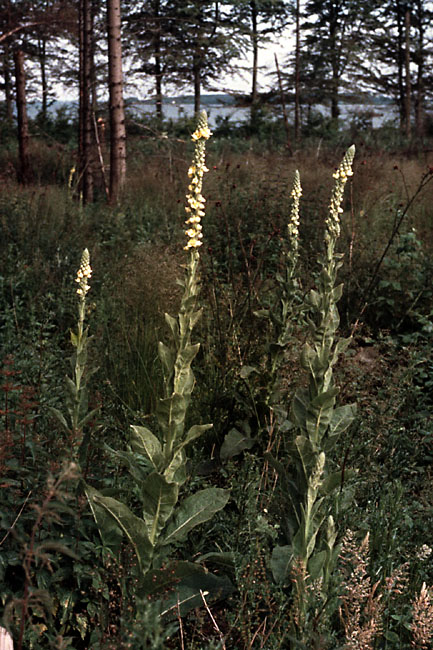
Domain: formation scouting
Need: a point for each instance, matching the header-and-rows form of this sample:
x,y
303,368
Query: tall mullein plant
x,y
77,413
283,314
317,423
157,462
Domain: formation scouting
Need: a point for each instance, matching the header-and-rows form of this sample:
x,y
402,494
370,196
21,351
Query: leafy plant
x,y
76,388
317,422
158,463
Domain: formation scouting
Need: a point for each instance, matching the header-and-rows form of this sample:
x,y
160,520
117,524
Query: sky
x,y
237,82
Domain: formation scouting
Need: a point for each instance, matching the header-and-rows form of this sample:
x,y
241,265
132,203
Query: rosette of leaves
x,y
157,463
317,423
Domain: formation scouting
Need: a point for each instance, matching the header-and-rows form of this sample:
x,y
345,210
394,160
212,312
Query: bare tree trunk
x,y
255,45
400,65
157,55
197,81
420,89
117,110
407,69
335,79
85,112
23,125
8,84
42,63
297,74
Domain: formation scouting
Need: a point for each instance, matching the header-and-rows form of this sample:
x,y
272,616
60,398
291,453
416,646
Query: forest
x,y
216,371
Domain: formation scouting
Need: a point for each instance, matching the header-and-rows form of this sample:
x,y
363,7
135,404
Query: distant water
x,y
379,114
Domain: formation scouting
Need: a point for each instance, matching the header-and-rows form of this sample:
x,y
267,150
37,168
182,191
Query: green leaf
x,y
133,527
144,442
166,356
187,355
194,432
181,584
246,371
299,407
173,324
158,498
316,564
60,417
342,418
195,510
234,443
175,472
325,400
82,423
111,535
281,560
171,412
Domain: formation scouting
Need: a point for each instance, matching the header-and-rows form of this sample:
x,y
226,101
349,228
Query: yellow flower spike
x,y
335,209
83,273
293,225
195,200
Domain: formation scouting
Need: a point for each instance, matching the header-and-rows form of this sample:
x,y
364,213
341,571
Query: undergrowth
x,y
62,586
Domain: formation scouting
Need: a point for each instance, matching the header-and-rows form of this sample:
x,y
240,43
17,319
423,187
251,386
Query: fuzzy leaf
x,y
111,535
281,560
144,442
316,564
167,357
300,408
175,472
342,418
187,355
158,498
173,324
234,443
181,583
195,510
194,432
171,414
133,527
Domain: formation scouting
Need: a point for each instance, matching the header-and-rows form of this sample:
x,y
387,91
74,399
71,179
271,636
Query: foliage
x,y
84,593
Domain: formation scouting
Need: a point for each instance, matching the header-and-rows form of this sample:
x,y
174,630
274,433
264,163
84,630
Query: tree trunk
x,y
23,125
8,85
117,111
297,74
157,56
42,64
255,46
86,136
420,90
197,81
400,65
407,70
335,63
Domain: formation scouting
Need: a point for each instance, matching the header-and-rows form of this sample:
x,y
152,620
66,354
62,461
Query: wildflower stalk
x,y
78,414
317,422
282,315
158,462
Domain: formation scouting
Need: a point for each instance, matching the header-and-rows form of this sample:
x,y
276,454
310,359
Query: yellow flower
x,y
83,274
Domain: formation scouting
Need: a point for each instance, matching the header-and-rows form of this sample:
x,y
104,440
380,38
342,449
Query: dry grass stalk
x,y
361,609
422,620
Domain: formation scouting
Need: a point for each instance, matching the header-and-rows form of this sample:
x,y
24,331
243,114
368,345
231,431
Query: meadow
x,y
253,470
